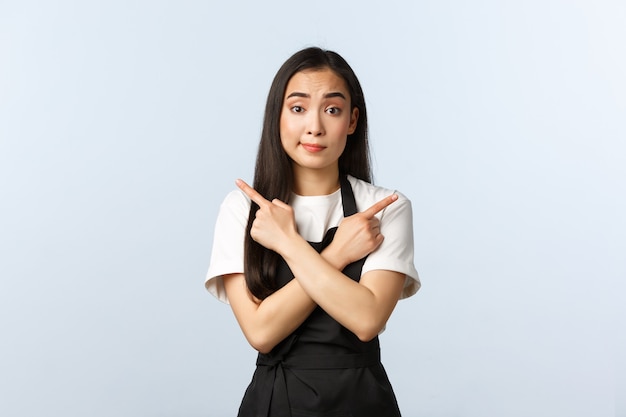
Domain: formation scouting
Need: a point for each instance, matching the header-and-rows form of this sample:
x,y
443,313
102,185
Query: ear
x,y
354,118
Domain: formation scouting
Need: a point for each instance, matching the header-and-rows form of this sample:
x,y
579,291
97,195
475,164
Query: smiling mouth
x,y
313,147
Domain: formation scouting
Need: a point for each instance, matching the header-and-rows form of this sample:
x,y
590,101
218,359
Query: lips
x,y
313,147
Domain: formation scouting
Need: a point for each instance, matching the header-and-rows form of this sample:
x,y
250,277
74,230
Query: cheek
x,y
285,125
285,134
341,146
344,129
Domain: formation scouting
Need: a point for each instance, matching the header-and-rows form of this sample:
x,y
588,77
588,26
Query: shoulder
x,y
235,206
236,199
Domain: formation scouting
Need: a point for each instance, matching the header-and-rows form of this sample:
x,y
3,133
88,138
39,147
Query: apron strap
x,y
347,197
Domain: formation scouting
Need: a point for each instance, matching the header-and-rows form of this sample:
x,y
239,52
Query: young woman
x,y
312,214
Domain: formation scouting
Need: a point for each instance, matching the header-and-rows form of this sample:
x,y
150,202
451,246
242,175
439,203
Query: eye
x,y
297,109
333,110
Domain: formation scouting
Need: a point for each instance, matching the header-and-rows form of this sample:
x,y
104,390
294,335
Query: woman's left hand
x,y
274,225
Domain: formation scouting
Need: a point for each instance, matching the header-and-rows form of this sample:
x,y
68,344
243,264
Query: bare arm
x,y
362,307
266,322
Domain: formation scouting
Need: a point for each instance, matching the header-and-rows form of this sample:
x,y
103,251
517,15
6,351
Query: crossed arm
x,y
363,307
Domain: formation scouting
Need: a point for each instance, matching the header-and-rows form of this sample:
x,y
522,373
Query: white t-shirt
x,y
315,215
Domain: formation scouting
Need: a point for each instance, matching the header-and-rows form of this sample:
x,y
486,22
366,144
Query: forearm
x,y
277,316
362,309
269,321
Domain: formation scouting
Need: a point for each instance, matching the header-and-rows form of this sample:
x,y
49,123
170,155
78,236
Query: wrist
x,y
292,246
333,257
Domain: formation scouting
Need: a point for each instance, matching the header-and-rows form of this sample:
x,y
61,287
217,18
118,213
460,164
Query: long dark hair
x,y
273,174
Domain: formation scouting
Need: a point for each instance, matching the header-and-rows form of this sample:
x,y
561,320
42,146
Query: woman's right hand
x,y
274,225
358,235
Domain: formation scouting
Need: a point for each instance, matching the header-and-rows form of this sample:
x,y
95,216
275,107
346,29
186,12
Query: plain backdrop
x,y
123,124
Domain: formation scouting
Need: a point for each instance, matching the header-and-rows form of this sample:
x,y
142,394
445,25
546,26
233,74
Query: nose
x,y
315,125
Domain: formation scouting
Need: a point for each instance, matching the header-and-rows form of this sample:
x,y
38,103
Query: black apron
x,y
322,369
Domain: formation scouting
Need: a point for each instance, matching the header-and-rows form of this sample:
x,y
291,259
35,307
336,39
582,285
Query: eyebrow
x,y
328,95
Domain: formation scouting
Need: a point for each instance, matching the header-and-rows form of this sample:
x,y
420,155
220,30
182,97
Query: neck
x,y
308,182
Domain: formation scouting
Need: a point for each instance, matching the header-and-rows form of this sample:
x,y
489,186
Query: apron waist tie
x,y
272,375
328,361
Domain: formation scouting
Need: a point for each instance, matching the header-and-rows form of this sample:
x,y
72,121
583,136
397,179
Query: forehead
x,y
316,82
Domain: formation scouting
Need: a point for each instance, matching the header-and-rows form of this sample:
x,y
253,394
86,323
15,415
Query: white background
x,y
124,123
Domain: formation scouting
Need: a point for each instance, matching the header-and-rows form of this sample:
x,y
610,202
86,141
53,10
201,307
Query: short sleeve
x,y
228,242
396,253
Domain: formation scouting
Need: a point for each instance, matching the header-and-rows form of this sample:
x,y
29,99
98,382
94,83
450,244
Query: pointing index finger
x,y
379,206
251,192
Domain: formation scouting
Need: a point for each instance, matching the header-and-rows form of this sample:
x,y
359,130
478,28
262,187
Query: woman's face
x,y
316,120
